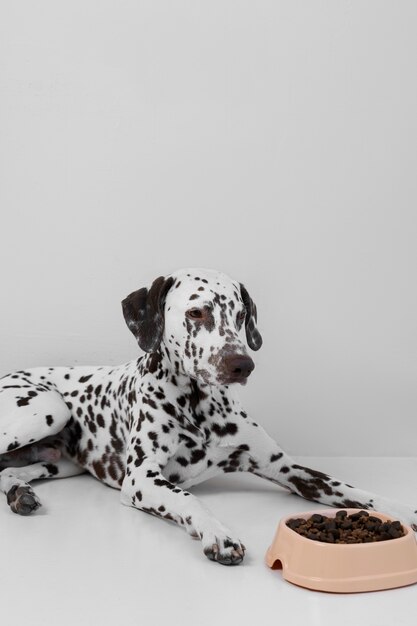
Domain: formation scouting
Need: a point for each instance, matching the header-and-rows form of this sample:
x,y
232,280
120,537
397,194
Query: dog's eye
x,y
195,314
241,316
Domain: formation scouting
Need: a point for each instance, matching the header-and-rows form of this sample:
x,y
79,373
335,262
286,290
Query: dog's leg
x,y
146,488
255,451
14,482
29,411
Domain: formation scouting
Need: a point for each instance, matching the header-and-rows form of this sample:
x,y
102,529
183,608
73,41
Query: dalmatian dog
x,y
160,424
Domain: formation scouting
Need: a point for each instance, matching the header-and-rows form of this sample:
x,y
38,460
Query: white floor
x,y
85,559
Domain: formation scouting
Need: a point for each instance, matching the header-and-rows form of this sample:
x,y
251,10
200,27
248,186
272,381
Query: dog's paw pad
x,y
22,500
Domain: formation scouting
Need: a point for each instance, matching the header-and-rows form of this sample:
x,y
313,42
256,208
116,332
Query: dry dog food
x,y
358,527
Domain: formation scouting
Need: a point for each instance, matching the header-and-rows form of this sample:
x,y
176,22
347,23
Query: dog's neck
x,y
164,365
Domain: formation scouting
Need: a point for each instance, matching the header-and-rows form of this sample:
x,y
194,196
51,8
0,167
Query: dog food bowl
x,y
343,568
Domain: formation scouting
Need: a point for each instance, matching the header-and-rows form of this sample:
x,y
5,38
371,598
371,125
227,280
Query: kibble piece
x,y
341,514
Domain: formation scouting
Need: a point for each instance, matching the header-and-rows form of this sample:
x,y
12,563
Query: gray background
x,y
275,141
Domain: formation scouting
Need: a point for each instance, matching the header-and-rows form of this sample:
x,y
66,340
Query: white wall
x,y
273,140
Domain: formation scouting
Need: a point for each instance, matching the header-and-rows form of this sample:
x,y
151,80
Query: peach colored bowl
x,y
343,568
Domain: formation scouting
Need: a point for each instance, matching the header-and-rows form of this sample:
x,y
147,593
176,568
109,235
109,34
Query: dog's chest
x,y
192,458
203,433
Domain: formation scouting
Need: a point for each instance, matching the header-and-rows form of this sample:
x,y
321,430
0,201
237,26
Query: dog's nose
x,y
239,367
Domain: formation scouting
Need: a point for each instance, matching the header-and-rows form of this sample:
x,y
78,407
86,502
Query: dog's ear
x,y
253,336
143,311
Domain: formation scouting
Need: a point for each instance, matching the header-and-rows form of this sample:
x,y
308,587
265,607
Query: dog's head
x,y
200,320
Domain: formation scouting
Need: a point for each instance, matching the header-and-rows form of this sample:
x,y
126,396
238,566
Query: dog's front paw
x,y
217,540
22,500
224,550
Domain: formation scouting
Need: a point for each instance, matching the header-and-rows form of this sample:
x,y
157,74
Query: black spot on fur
x,y
230,428
160,482
197,455
314,473
169,408
354,504
84,379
